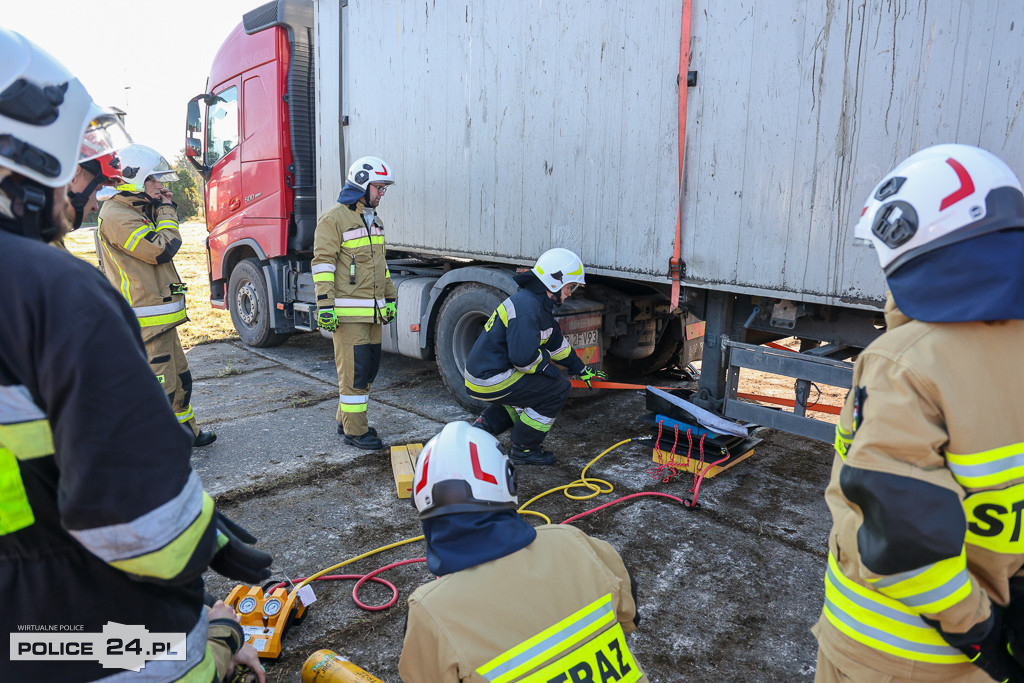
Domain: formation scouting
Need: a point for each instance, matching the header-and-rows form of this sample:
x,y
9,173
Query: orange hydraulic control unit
x,y
266,618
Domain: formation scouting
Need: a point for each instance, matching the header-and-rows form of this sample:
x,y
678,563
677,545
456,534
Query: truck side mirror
x,y
193,131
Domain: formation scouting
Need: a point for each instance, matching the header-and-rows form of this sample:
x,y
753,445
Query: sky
x,y
147,58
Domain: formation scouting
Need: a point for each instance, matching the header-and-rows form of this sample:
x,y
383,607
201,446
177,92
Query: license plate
x,y
580,340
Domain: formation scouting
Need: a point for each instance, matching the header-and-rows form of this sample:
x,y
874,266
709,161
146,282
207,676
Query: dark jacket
x,y
101,517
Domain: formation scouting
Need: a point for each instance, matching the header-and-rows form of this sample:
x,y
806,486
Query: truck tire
x,y
459,322
249,303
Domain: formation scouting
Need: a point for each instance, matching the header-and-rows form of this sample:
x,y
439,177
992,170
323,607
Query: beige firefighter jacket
x,y
350,265
137,258
486,623
926,495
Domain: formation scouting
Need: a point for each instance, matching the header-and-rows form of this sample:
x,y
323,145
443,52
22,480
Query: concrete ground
x,y
727,592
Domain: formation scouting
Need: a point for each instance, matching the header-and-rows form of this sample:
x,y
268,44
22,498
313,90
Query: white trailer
x,y
516,127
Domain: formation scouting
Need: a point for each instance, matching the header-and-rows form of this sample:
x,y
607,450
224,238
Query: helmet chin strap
x,y
37,208
80,199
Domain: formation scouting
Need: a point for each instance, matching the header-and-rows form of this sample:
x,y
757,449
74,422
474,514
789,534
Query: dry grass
x,y
206,324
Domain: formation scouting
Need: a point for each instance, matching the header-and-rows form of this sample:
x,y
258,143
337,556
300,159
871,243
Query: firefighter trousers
x,y
357,357
167,359
529,407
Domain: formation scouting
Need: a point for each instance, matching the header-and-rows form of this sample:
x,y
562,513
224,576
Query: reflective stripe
x,y
362,242
323,277
126,288
565,635
510,310
323,268
350,303
532,367
843,441
162,314
353,403
134,238
881,622
166,223
16,405
987,468
187,415
563,351
546,334
199,665
501,381
606,657
356,233
15,510
531,418
930,589
160,542
24,429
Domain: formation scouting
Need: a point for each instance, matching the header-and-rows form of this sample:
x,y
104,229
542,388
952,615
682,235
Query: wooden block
x,y
694,465
403,465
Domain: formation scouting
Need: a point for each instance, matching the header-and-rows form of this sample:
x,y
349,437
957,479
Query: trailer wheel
x,y
249,303
460,321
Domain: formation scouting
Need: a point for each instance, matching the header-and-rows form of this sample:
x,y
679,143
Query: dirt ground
x,y
726,591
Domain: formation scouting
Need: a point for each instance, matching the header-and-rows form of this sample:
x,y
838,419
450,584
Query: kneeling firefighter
x,y
511,363
512,602
925,576
354,292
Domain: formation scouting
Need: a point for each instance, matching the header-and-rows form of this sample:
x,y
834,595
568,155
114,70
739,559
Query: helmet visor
x,y
104,134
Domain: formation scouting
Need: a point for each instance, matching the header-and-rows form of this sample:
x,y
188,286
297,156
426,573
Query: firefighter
x,y
510,600
924,578
89,177
354,292
512,363
101,517
138,237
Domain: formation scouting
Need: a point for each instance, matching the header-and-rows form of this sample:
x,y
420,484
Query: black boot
x,y
531,456
369,430
204,438
368,441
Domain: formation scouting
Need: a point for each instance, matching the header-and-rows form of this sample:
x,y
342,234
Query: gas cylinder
x,y
325,666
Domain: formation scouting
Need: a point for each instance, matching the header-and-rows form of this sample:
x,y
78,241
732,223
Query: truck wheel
x,y
459,322
249,303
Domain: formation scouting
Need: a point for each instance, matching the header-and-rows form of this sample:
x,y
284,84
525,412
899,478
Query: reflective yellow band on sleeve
x,y
167,223
15,510
843,441
134,238
932,588
987,468
323,277
170,560
27,440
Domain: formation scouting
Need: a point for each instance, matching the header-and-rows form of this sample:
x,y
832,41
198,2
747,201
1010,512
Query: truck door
x,y
222,157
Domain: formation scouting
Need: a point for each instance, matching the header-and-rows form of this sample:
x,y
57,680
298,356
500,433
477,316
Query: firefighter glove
x,y
235,558
589,375
327,319
389,312
986,646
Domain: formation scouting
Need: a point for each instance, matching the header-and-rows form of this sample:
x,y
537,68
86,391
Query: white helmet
x,y
366,170
939,196
139,162
48,121
558,267
463,469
